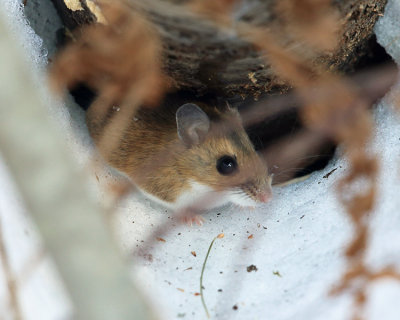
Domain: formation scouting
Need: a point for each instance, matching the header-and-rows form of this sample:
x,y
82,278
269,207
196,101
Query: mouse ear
x,y
192,123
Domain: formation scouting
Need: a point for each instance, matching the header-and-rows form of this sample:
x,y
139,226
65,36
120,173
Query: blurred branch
x,y
56,193
10,278
371,85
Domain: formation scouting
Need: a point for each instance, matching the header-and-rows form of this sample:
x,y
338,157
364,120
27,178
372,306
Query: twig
x,y
220,236
31,265
11,283
56,193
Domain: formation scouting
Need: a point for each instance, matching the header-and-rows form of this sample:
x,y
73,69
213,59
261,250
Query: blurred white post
x,y
56,193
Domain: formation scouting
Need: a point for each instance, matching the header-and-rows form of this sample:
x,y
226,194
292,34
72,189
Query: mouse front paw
x,y
189,217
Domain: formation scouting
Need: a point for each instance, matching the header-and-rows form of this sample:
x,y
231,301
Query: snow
x,y
387,28
297,239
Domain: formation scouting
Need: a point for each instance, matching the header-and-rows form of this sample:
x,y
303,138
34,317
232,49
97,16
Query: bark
x,y
203,59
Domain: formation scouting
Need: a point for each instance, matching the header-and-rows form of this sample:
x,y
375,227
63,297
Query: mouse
x,y
190,157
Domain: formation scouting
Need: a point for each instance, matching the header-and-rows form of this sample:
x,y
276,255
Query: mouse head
x,y
219,154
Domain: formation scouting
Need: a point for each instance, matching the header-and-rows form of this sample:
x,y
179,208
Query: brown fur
x,y
152,155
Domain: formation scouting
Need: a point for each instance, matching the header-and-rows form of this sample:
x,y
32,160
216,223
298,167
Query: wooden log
x,y
203,59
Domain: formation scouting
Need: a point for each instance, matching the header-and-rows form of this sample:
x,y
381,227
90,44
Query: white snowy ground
x,y
296,245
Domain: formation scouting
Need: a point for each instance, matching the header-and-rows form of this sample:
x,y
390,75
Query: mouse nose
x,y
264,196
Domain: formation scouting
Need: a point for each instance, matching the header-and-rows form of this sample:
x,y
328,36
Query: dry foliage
x,y
334,107
216,10
339,112
311,21
95,59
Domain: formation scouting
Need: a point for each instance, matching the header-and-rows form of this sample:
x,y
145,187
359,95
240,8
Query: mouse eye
x,y
226,165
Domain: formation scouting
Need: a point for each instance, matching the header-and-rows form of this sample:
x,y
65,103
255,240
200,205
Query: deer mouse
x,y
181,156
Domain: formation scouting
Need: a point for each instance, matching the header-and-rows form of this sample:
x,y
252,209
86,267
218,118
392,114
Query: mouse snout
x,y
264,195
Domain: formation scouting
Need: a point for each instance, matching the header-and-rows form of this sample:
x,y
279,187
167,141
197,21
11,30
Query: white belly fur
x,y
198,197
